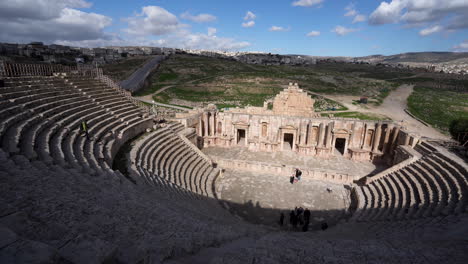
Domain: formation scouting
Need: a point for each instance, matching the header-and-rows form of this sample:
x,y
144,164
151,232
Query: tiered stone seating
x,y
40,118
67,216
162,154
55,210
435,185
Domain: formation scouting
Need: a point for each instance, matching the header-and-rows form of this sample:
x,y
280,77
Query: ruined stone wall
x,y
293,125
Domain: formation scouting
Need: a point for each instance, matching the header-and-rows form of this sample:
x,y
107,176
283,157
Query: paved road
x,y
137,79
393,106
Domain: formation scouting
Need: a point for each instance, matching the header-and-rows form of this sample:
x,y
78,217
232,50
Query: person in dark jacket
x,y
307,215
281,221
298,174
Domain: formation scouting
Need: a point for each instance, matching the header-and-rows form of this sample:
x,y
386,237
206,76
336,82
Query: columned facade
x,y
296,129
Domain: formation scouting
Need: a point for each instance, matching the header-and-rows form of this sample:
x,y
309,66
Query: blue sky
x,y
339,28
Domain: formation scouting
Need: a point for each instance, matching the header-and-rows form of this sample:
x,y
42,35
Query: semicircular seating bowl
x,y
436,185
62,203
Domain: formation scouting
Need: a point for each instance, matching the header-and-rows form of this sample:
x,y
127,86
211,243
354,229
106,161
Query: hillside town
x,y
53,53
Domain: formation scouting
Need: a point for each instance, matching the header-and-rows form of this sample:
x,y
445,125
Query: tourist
x,y
291,179
298,174
305,227
300,210
281,222
324,226
84,128
291,216
329,190
294,221
307,215
300,216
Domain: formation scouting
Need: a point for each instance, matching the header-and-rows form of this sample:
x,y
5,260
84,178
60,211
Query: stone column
x,y
387,138
363,138
200,127
321,134
329,134
350,143
407,139
377,134
212,124
303,134
394,138
205,118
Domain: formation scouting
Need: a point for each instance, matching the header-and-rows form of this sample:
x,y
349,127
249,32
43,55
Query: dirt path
x,y
394,107
149,97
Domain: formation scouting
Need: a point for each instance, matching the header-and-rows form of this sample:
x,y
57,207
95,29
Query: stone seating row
x,y
44,122
163,154
432,186
53,214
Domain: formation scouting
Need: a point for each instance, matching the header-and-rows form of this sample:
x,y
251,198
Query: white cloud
x,y
341,31
430,30
452,13
387,12
37,9
462,46
313,34
188,40
248,24
306,2
212,31
50,21
200,18
350,10
250,16
359,18
278,29
153,20
157,21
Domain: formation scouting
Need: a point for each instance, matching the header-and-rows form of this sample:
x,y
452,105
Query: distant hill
x,y
417,57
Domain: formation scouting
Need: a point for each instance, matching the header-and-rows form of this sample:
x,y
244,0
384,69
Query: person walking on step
x,y
84,128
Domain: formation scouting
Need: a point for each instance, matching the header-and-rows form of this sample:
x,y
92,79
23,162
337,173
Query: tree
x,y
459,130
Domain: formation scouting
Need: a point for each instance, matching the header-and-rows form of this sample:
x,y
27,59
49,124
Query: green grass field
x,y
438,107
121,70
232,83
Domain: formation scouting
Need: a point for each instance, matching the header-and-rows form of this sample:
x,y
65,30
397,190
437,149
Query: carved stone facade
x,y
293,125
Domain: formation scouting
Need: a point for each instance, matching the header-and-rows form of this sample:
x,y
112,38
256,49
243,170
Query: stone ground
x,y
335,164
260,198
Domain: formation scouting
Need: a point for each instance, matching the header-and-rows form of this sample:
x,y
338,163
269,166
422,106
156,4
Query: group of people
x,y
296,176
298,217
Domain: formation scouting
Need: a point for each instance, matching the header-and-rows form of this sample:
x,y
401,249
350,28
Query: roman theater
x,y
208,185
